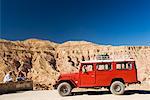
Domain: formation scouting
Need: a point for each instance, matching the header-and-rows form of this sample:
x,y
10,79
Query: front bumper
x,y
137,82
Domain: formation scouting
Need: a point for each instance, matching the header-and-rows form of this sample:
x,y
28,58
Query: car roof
x,y
100,61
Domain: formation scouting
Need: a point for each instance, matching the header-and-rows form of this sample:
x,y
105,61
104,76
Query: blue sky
x,y
113,22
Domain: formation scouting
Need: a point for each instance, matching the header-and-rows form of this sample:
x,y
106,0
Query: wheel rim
x,y
117,88
64,89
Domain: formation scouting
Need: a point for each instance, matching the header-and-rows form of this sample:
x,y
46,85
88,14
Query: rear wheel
x,y
117,88
64,89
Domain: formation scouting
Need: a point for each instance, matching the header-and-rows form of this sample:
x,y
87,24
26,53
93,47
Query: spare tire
x,y
64,89
117,88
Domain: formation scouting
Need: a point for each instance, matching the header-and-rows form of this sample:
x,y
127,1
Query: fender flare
x,y
71,82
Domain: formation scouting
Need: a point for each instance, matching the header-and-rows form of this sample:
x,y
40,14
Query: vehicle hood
x,y
69,76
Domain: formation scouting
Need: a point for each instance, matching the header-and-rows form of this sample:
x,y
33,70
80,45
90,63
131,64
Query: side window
x,y
87,68
129,65
125,65
100,67
118,66
104,66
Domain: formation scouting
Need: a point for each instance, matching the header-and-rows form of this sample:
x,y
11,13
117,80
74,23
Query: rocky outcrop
x,y
34,57
43,61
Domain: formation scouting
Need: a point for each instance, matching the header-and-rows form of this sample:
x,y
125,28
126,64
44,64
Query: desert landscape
x,y
43,61
102,47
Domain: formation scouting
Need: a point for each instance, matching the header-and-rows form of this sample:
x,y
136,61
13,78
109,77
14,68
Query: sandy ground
x,y
84,95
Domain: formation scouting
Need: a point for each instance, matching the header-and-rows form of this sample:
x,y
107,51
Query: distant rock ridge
x,y
43,60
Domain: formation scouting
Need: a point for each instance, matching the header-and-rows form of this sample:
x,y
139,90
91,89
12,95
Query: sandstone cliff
x,y
43,61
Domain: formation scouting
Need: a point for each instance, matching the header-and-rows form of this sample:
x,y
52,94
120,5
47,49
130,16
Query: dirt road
x,y
90,95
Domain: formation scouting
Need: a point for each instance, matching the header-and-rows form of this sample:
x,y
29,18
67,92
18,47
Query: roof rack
x,y
103,57
117,60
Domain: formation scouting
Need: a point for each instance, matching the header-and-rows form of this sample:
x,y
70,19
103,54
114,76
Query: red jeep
x,y
110,74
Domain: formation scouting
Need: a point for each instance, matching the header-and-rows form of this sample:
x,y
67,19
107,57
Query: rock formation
x,y
43,61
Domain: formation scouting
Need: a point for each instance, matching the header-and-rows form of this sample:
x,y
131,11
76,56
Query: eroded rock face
x,y
43,61
34,57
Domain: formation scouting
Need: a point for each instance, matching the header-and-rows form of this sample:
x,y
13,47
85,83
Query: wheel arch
x,y
73,85
117,79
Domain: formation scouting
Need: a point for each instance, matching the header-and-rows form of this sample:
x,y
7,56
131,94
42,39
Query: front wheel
x,y
117,88
64,89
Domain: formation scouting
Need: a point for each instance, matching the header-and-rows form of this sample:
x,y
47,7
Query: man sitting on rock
x,y
8,77
21,76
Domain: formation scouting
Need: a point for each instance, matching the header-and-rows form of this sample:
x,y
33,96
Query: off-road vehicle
x,y
111,74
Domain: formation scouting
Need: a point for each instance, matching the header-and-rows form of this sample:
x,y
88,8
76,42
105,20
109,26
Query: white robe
x,y
7,78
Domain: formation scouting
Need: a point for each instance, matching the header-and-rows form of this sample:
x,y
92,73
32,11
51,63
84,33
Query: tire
x,y
117,88
64,89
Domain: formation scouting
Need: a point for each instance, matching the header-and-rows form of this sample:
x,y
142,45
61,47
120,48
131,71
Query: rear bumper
x,y
137,82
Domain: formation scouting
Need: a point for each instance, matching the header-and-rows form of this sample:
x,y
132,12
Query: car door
x,y
87,75
103,74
